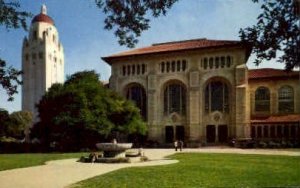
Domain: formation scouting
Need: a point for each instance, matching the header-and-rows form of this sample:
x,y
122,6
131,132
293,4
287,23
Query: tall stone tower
x,y
42,60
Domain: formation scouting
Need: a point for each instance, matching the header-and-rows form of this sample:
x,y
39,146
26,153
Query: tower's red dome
x,y
42,18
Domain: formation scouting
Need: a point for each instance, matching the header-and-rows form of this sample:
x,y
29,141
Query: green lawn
x,y
11,161
207,170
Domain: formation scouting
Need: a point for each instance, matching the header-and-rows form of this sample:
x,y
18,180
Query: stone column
x,y
154,130
242,107
193,107
217,134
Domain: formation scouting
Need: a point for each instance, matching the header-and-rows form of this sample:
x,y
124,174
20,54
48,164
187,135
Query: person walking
x,y
180,145
176,145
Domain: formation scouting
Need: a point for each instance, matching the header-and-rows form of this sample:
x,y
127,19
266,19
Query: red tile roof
x,y
42,18
277,119
271,73
175,46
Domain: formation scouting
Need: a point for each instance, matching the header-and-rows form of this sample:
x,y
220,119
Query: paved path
x,y
61,173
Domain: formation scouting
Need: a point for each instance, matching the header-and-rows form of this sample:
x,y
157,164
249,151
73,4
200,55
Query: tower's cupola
x,y
43,17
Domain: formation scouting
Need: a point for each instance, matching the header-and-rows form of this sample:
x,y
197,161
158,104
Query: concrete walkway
x,y
62,173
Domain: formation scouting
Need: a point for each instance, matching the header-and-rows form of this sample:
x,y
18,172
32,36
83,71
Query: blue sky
x,y
80,26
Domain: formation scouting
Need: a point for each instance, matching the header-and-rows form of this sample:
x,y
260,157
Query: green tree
x,y
9,79
4,118
129,18
277,29
12,18
18,123
74,113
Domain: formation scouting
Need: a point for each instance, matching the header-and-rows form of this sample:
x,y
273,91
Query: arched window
x,y
228,62
168,66
217,62
143,68
184,65
133,69
286,99
138,69
222,62
173,66
211,63
175,99
163,67
137,94
262,99
216,97
178,65
205,63
128,69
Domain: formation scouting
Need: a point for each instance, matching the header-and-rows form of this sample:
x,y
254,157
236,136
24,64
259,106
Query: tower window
x,y
35,35
27,57
40,55
34,56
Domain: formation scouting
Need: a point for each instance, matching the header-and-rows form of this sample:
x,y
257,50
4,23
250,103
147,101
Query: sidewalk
x,y
61,173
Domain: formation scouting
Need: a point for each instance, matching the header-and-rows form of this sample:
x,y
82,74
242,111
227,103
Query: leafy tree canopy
x,y
4,118
18,122
14,124
129,18
9,79
70,112
277,30
11,18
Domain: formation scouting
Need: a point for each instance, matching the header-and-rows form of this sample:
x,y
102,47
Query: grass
x,y
12,161
207,170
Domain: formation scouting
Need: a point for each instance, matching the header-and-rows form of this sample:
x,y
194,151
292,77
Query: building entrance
x,y
210,133
170,135
180,132
222,133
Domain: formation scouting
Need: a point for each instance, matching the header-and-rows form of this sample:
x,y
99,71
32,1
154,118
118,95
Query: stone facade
x,y
195,90
42,60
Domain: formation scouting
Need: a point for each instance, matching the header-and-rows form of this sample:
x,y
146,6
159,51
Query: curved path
x,y
61,173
